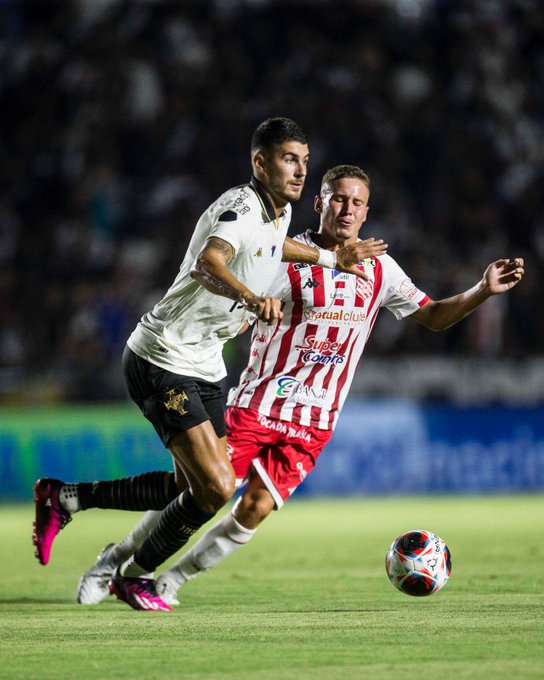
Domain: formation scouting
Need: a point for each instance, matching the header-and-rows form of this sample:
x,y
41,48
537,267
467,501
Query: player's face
x,y
343,206
283,171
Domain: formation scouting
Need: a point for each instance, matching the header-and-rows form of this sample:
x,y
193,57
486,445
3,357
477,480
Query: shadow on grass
x,y
36,600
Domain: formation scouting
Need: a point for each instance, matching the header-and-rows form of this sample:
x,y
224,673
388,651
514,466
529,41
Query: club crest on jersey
x,y
364,289
259,253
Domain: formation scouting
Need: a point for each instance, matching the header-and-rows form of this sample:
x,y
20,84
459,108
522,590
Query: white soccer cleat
x,y
167,588
94,584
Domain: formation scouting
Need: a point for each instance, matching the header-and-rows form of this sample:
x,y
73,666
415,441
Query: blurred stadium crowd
x,y
121,121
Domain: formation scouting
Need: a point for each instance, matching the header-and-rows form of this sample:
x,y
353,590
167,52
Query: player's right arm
x,y
211,271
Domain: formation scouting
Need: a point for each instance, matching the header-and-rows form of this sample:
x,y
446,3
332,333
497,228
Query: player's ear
x,y
258,162
318,204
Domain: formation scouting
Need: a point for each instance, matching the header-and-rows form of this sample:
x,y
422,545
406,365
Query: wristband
x,y
327,259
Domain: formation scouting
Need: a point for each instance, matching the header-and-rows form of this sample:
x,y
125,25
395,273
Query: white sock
x,y
69,498
133,570
223,539
136,537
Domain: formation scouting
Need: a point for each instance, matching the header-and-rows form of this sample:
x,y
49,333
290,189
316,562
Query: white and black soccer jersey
x,y
300,370
185,332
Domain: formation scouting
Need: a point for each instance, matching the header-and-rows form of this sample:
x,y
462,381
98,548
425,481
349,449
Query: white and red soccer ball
x,y
418,563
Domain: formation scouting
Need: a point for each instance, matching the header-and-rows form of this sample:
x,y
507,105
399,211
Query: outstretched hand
x,y
348,257
502,275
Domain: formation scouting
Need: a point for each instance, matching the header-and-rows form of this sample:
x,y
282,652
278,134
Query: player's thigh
x,y
172,402
246,440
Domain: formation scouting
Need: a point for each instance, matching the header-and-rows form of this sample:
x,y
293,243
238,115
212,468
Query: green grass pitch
x,y
307,599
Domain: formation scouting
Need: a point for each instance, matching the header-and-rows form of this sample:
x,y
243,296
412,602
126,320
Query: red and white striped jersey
x,y
300,370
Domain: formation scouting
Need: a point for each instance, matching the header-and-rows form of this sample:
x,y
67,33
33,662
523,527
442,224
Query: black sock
x,y
177,523
148,491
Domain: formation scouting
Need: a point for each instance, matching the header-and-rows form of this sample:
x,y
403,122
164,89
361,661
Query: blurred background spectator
x,y
120,121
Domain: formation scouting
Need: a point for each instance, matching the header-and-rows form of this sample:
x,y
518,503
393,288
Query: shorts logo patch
x,y
175,400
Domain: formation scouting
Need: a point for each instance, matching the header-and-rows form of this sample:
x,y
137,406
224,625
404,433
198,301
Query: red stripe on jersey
x,y
339,301
316,411
344,374
361,284
378,278
319,291
296,317
311,330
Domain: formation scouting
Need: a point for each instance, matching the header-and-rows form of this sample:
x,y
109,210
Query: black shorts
x,y
173,403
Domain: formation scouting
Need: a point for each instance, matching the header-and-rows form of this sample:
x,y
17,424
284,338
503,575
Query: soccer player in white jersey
x,y
287,403
173,361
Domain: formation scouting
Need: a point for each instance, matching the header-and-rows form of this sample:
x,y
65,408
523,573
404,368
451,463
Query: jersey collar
x,y
269,214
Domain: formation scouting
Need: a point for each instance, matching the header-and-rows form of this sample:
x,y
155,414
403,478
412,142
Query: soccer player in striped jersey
x,y
289,398
173,361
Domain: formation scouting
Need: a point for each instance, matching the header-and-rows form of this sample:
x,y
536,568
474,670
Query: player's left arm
x,y
499,277
345,259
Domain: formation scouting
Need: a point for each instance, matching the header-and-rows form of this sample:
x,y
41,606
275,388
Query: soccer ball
x,y
418,563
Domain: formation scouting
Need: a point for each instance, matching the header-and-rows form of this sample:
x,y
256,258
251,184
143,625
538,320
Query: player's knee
x,y
217,491
253,508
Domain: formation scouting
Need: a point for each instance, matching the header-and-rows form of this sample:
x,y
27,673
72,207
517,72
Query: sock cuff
x,y
235,531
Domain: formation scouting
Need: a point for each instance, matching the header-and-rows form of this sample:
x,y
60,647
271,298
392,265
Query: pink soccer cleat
x,y
51,517
139,593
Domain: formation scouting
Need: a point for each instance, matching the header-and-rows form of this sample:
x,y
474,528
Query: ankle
x,y
69,498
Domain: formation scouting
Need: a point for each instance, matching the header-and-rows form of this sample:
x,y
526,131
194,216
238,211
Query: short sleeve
x,y
402,297
234,221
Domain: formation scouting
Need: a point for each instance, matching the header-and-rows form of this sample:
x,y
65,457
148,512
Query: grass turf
x,y
307,598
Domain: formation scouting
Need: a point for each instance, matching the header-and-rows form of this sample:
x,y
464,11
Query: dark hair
x,y
341,171
275,131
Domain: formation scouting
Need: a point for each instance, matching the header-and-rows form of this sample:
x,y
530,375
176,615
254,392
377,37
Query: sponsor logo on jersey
x,y
160,348
289,387
369,262
272,251
339,317
239,203
314,351
259,253
300,265
291,431
309,395
311,283
286,385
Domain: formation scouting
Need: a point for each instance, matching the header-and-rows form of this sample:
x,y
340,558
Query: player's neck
x,y
328,243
